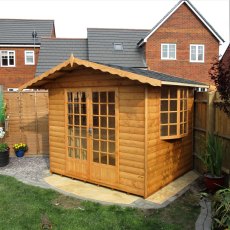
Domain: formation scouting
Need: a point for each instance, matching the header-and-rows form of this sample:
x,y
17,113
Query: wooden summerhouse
x,y
123,128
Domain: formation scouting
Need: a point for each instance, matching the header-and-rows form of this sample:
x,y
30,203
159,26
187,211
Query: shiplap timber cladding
x,y
144,162
28,121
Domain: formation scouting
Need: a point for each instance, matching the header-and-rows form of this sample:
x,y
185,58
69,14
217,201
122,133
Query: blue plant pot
x,y
20,153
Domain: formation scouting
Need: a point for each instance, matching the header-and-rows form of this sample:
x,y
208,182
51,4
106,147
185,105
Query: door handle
x,y
90,131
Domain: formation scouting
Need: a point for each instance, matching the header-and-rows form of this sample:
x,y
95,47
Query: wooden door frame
x,y
89,115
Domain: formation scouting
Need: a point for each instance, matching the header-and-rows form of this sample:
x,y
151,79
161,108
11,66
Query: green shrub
x,y
221,209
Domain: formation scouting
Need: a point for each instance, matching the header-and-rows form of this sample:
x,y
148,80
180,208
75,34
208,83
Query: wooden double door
x,y
91,135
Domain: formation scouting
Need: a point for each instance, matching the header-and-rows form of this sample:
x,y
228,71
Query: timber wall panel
x,y
166,159
28,121
131,139
57,130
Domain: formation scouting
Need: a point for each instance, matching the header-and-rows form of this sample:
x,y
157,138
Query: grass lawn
x,y
28,207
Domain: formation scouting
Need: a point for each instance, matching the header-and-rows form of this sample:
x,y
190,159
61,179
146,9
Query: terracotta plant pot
x,y
4,158
213,183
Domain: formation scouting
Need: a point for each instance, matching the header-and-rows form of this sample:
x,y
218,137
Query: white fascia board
x,y
10,45
184,84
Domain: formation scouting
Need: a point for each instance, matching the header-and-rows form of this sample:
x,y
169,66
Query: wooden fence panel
x,y
210,119
28,120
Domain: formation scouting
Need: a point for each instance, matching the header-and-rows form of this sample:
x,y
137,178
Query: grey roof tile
x,y
100,45
56,51
19,31
157,75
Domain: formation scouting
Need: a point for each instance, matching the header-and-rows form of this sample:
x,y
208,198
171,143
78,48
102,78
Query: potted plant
x,y
20,149
4,154
212,158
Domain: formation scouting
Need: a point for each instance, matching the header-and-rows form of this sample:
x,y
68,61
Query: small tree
x,y
220,74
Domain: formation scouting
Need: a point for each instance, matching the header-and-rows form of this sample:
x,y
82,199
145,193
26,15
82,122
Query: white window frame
x,y
8,58
117,44
190,54
26,55
167,44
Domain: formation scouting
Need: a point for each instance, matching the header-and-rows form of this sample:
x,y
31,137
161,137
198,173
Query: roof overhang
x,y
73,63
184,84
19,45
194,10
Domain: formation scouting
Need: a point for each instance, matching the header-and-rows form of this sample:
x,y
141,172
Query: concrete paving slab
x,y
173,188
90,191
101,194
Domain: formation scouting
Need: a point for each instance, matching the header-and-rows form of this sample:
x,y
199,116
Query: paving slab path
x,y
35,171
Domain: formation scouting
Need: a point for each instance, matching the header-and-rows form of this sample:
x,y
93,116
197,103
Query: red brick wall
x,y
183,28
13,77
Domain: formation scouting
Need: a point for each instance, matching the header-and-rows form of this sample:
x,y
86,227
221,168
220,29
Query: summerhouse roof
x,y
144,76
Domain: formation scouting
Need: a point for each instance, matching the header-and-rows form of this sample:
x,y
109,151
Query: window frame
x,y
8,58
25,53
181,121
168,58
190,53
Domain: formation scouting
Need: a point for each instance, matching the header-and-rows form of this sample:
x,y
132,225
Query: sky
x,y
73,17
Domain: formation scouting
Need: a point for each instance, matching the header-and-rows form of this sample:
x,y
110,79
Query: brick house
x,y
182,44
19,49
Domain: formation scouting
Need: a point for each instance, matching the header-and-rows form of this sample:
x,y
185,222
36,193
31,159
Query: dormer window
x,y
118,46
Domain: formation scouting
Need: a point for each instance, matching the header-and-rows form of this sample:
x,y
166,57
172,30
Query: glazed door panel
x,y
103,164
77,133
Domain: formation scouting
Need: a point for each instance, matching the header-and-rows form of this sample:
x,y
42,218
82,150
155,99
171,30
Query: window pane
x,y
164,118
172,51
173,117
164,105
84,154
112,109
76,97
103,146
83,132
96,157
77,142
111,122
111,159
83,143
103,158
173,129
95,97
70,119
70,96
95,145
70,108
173,93
77,131
104,134
164,92
70,141
77,153
83,108
103,122
111,135
112,147
70,152
173,105
83,120
103,109
95,109
76,108
111,96
95,121
95,133
164,130
102,97
76,120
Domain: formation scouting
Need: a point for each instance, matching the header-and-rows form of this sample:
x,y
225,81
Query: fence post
x,y
210,113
